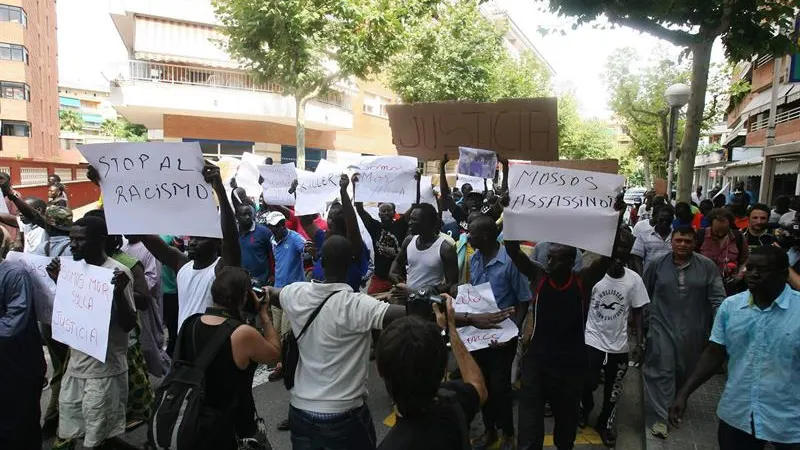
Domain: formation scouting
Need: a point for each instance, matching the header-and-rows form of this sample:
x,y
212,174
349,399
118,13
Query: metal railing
x,y
786,116
33,175
225,79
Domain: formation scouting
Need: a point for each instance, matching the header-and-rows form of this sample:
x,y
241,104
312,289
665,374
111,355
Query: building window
x,y
13,52
15,128
13,14
15,91
375,105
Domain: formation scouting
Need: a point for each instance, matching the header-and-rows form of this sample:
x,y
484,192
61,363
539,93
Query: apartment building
x,y
92,103
28,81
180,85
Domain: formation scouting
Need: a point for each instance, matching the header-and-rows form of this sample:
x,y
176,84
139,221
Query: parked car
x,y
634,195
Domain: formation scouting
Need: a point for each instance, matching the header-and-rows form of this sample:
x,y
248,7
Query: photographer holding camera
x,y
412,360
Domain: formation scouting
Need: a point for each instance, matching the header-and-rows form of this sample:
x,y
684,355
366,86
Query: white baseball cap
x,y
275,218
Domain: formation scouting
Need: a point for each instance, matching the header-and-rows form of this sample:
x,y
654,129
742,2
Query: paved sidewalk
x,y
698,430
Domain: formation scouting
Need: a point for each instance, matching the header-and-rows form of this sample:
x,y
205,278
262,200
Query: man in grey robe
x,y
685,289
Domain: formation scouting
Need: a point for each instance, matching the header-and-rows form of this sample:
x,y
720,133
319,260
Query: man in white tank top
x,y
426,259
198,269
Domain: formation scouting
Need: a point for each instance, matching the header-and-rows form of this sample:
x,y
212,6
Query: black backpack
x,y
448,397
181,420
290,352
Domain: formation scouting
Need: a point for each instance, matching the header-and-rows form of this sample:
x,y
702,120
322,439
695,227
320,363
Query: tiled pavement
x,y
698,430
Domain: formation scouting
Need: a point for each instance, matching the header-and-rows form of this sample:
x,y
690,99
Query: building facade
x,y
28,80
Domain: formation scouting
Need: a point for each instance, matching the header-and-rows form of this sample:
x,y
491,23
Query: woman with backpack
x,y
219,353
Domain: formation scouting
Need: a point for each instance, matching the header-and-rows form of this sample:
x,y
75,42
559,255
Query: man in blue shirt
x,y
288,247
759,331
256,243
490,263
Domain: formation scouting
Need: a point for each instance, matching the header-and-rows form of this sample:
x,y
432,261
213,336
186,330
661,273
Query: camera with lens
x,y
420,303
789,235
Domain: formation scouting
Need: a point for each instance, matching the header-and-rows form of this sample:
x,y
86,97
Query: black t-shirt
x,y
439,429
386,241
759,241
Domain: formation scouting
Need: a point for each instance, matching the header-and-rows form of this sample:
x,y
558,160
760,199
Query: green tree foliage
x,y
122,129
637,101
71,120
746,28
461,56
307,46
581,138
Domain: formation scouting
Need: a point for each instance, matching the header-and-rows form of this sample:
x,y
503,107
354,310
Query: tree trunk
x,y
701,61
648,180
300,130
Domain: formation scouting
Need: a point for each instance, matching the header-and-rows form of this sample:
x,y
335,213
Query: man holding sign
x,y
93,392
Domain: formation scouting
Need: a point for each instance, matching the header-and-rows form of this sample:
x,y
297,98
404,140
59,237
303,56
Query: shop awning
x,y
744,168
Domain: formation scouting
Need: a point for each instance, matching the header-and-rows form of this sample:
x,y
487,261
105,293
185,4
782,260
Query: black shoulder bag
x,y
290,356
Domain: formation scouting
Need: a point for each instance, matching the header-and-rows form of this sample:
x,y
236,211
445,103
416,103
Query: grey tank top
x,y
425,267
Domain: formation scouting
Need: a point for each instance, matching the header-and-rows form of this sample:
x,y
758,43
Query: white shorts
x,y
93,408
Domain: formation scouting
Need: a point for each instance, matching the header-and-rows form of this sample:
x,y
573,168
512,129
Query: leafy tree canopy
x,y
70,120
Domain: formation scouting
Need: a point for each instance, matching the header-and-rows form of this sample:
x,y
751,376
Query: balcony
x,y
787,129
145,91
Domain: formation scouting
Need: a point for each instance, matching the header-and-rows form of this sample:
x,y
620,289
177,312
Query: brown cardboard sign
x,y
660,186
592,165
515,128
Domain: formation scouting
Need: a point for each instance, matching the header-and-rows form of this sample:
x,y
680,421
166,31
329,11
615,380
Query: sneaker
x,y
484,442
284,426
276,374
660,430
257,441
608,437
64,444
508,443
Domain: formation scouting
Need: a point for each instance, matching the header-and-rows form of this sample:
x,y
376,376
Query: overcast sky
x,y
578,57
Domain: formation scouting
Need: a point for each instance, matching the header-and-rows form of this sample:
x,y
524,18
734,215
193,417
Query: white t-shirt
x,y
787,218
644,214
194,289
36,238
331,376
642,227
607,322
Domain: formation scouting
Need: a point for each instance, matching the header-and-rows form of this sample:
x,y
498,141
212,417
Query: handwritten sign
x,y
44,288
478,300
314,191
515,128
278,179
475,182
82,307
154,188
477,162
426,195
570,207
386,179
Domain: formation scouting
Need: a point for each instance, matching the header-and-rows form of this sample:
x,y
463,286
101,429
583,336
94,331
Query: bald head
x,y
337,255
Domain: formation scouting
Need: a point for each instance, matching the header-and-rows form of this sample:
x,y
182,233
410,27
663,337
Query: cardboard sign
x,y
386,179
476,162
314,191
44,288
475,182
278,179
248,173
516,128
82,307
154,188
570,207
478,300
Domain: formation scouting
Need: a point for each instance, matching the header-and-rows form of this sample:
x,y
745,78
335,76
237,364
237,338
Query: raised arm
x,y
350,221
231,252
167,255
529,268
34,216
447,252
470,372
9,219
446,196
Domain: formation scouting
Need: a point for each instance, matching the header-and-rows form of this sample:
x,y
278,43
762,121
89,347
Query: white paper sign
x,y
314,191
248,173
387,179
154,188
570,207
475,182
478,300
278,179
227,169
44,288
476,162
426,195
82,307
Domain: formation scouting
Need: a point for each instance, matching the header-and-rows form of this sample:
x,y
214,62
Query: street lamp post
x,y
677,97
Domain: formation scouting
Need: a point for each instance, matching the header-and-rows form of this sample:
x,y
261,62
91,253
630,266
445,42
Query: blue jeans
x,y
352,430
